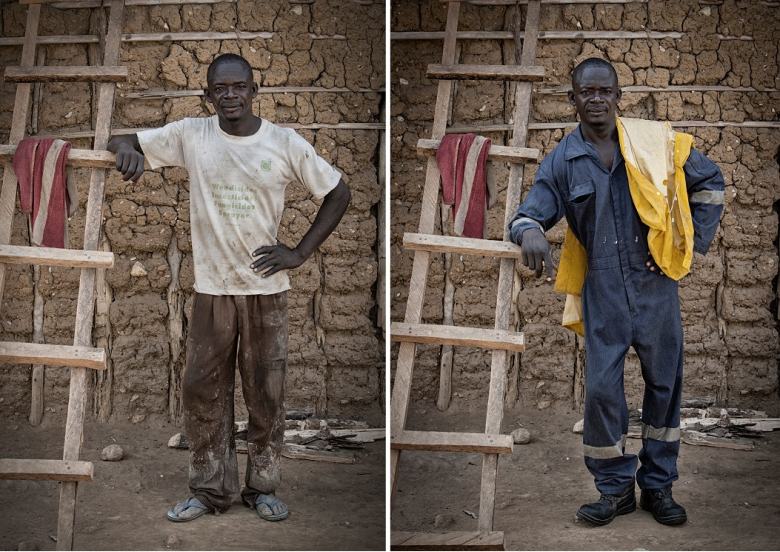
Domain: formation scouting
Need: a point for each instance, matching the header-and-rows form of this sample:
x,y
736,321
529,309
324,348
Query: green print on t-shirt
x,y
233,202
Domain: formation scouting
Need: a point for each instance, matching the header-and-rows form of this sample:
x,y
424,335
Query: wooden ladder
x,y
490,443
81,355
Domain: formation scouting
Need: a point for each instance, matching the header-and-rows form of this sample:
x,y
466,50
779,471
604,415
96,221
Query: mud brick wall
x,y
729,301
144,302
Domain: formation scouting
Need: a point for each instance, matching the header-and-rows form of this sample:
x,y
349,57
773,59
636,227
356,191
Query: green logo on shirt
x,y
265,165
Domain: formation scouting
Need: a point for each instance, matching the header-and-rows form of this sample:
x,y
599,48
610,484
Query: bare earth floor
x,y
731,496
333,506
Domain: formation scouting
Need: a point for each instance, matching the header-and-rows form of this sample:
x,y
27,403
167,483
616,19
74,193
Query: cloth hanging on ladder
x,y
45,191
466,182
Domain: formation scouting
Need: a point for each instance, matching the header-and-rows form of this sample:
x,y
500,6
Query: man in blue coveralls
x,y
626,299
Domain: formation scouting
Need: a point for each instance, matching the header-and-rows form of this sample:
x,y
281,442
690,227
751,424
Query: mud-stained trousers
x,y
254,330
625,304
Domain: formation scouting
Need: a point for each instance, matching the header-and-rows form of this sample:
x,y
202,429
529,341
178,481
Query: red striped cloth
x,y
466,181
44,191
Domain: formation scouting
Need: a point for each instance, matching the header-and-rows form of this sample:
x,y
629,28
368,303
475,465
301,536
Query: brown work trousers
x,y
254,329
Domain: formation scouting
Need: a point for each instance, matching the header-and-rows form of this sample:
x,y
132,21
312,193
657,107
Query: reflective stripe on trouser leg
x,y
607,339
659,345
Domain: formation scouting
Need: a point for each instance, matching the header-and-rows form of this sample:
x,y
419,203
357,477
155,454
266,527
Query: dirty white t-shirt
x,y
237,188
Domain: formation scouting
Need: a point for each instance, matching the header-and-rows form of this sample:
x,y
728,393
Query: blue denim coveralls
x,y
624,303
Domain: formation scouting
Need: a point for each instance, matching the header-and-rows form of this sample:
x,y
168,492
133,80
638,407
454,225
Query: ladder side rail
x,y
399,402
498,368
18,126
86,299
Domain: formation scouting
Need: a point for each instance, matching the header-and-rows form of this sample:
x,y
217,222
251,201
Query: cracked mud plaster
x,y
729,301
335,344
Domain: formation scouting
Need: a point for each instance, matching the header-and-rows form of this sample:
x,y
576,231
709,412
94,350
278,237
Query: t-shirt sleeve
x,y
163,146
311,170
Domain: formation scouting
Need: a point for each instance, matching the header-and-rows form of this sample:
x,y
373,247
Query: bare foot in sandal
x,y
270,508
190,509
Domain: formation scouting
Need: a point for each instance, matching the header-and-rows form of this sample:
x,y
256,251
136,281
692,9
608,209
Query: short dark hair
x,y
228,58
592,62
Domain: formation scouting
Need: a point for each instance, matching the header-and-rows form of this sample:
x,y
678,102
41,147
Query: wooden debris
x,y
289,450
308,438
713,426
303,453
703,439
697,402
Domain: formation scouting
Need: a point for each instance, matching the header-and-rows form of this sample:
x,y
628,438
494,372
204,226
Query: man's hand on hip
x,y
537,253
275,258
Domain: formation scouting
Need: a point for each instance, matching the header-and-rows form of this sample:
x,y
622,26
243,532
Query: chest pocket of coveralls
x,y
581,197
580,210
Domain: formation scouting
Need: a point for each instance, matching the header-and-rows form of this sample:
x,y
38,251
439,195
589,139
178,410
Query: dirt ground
x,y
730,496
333,506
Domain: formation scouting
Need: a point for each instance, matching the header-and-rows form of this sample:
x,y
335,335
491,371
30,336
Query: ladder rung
x,y
450,540
457,335
508,154
444,441
52,256
16,352
487,72
457,244
76,157
45,470
59,73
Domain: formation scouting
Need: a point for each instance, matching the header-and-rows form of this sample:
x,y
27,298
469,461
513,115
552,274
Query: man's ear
x,y
254,89
570,94
618,95
207,95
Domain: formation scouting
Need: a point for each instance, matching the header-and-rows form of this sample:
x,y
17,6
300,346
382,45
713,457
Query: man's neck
x,y
241,127
600,134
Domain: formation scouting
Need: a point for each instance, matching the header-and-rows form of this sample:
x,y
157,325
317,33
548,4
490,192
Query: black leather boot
x,y
609,506
660,502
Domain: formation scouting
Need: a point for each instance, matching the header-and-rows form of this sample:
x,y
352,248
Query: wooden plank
x,y
543,35
452,442
485,72
464,246
512,2
563,90
51,39
76,157
60,73
506,127
506,154
18,126
457,335
452,540
45,470
152,94
299,452
52,256
158,37
17,352
702,439
105,162
59,4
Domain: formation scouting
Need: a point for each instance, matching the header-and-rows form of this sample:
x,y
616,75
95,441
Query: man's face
x,y
595,95
231,90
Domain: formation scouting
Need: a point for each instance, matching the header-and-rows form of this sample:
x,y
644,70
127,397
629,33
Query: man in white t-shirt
x,y
239,166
